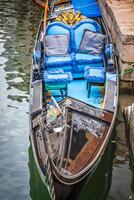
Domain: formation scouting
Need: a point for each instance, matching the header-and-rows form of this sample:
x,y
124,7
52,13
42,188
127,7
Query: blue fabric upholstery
x,y
82,58
87,24
80,68
89,8
55,61
57,77
67,68
57,28
57,80
94,75
74,62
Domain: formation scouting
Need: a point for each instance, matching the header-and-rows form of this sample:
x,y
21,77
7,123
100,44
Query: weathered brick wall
x,y
119,15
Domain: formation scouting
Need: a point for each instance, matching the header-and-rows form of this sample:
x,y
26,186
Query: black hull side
x,y
72,190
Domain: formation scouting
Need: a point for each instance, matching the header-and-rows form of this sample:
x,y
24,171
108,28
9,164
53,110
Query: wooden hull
x,y
97,125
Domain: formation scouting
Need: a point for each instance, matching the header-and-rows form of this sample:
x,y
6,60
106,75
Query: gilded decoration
x,y
70,18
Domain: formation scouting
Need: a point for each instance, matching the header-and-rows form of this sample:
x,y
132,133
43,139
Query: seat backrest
x,y
58,28
79,28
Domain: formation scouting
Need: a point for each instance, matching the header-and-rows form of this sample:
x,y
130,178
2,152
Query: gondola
x,y
73,95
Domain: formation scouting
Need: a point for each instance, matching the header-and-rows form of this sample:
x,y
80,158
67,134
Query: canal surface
x,y
19,178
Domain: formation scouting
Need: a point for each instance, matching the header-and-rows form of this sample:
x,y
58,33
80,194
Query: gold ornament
x,y
70,18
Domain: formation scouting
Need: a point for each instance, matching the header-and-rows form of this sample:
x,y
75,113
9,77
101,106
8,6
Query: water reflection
x,y
121,176
17,34
18,26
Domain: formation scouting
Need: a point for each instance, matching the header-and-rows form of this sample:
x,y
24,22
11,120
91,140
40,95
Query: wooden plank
x,y
36,105
86,109
85,154
109,100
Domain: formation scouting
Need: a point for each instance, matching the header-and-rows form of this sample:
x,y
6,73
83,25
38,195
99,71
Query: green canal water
x,y
19,179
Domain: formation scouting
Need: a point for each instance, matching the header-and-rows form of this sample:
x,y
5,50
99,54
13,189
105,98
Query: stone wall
x,y
119,15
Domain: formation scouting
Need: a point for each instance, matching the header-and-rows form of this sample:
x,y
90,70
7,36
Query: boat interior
x,y
78,59
79,72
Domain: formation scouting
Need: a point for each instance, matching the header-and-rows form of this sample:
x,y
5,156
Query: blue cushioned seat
x,y
58,77
74,62
54,61
94,76
57,28
82,58
57,80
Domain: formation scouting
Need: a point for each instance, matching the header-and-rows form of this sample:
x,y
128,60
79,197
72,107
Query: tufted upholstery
x,y
74,62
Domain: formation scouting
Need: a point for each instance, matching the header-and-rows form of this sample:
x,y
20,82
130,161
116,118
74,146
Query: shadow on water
x,y
97,188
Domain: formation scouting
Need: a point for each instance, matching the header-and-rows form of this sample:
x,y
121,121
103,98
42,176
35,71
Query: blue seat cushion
x,y
57,77
94,75
58,61
82,58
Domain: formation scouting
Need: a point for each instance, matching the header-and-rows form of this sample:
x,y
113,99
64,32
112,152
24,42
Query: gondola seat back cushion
x,y
79,29
92,43
57,45
62,32
57,28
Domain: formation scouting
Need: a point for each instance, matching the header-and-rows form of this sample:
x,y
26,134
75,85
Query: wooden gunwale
x,y
69,180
